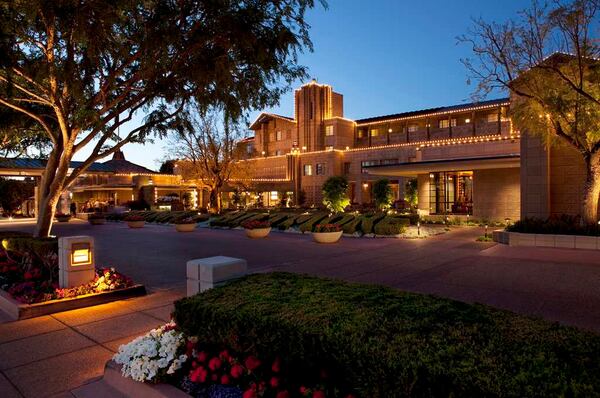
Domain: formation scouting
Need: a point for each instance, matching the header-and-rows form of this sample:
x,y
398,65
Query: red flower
x,y
201,357
214,377
237,370
318,394
198,375
27,276
225,379
274,382
252,362
224,356
276,367
249,394
283,394
214,363
303,390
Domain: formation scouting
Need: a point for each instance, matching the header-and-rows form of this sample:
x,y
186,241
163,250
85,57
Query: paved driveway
x,y
64,353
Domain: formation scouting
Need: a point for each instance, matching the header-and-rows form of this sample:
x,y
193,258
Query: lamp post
x,y
486,230
418,228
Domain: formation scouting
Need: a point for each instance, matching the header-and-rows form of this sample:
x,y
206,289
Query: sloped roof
x,y
266,116
118,164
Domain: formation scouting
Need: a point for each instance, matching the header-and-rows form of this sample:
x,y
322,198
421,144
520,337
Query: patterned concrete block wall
x,y
567,180
535,189
496,194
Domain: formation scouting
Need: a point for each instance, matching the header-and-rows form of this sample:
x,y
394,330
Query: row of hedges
x,y
377,223
560,225
380,342
161,217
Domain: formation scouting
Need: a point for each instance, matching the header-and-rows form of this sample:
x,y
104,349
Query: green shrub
x,y
391,225
308,226
278,218
24,244
381,342
559,224
352,226
335,193
382,193
369,221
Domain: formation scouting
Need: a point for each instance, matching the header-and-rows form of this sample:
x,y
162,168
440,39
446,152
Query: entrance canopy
x,y
412,169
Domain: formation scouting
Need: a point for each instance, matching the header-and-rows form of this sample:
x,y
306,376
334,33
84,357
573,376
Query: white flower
x,y
154,354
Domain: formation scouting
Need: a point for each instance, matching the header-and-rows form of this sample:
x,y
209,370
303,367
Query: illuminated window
x,y
274,195
445,123
307,170
278,152
347,168
328,130
278,135
492,117
367,163
374,133
320,169
413,128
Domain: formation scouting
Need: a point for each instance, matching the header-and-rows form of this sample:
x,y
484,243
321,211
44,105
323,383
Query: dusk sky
x,y
384,56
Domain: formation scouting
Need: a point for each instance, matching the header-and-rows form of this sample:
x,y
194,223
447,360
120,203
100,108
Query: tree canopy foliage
x,y
548,58
81,69
335,193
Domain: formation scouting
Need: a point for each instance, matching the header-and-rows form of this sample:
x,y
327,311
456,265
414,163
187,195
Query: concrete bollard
x,y
206,273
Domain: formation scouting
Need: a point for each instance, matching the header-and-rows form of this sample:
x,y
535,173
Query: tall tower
x,y
315,103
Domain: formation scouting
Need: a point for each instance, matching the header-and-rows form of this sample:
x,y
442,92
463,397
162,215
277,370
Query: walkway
x,y
64,352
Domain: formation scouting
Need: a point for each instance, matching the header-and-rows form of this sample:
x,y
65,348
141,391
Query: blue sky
x,y
384,56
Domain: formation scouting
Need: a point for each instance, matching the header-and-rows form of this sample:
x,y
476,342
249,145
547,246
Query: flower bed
x,y
160,217
29,276
371,341
255,224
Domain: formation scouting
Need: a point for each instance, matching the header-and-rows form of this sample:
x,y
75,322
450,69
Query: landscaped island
x,y
285,335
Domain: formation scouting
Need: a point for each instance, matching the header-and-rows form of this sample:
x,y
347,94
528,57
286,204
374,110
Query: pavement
x,y
63,354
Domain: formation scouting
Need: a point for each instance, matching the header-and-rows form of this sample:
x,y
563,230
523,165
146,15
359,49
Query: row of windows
x,y
319,169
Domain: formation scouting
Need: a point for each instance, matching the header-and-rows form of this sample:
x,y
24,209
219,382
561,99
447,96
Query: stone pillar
x,y
206,273
423,194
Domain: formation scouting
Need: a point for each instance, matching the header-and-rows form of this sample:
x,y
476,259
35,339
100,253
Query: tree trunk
x,y
215,203
51,187
592,189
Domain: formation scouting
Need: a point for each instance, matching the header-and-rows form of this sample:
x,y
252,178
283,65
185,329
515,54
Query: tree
x,y
335,193
382,193
13,193
82,69
548,59
167,167
411,189
207,150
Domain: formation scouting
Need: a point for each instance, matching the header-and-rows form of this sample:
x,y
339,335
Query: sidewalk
x,y
52,355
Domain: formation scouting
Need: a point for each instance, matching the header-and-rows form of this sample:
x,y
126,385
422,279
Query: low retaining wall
x,y
547,240
132,388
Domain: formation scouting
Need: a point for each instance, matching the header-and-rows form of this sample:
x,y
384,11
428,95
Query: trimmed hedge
x,y
382,342
369,221
308,225
391,225
24,244
161,217
559,224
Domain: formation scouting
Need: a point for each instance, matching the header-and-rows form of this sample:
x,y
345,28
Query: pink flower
x,y
276,367
201,357
198,375
274,382
225,379
250,393
283,394
318,394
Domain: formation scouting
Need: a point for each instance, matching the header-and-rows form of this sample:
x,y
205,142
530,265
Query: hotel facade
x,y
467,159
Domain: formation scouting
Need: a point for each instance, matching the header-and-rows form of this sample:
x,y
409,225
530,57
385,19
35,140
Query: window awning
x,y
411,169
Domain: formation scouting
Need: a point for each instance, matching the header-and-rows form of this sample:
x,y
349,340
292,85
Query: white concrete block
x,y
527,240
565,241
543,240
586,242
216,269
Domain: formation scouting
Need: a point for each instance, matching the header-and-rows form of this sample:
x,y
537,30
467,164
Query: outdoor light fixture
x,y
347,148
75,261
263,152
486,230
507,221
365,185
304,148
81,254
390,130
418,228
431,175
467,120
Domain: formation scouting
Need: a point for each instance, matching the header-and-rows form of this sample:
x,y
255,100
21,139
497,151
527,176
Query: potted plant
x,y
62,217
327,233
186,224
257,229
97,219
135,221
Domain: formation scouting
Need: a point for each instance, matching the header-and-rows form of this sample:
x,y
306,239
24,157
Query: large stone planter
x,y
131,388
185,227
327,237
136,224
97,221
63,218
257,233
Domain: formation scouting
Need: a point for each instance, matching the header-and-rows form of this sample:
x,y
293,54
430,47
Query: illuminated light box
x,y
75,261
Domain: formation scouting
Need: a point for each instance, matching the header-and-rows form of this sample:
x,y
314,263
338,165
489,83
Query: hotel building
x,y
468,159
